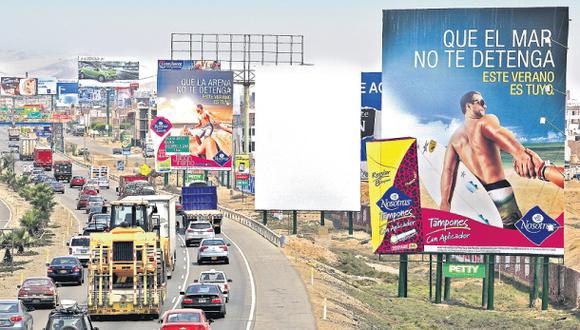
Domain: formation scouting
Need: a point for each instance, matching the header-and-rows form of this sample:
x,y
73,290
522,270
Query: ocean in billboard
x,y
198,104
67,94
104,72
482,91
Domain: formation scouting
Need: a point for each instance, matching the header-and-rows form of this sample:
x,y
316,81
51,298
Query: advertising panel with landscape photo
x,y
107,72
482,91
196,104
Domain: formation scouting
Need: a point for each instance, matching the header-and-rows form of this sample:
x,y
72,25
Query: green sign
x,y
177,145
464,270
34,115
195,176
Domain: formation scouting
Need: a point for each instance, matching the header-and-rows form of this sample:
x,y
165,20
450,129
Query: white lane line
x,y
252,284
182,276
9,214
173,300
186,274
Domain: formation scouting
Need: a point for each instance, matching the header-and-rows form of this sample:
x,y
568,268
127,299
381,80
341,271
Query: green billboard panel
x,y
464,270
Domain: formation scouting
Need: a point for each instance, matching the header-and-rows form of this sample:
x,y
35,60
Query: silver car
x,y
79,247
213,250
14,315
197,231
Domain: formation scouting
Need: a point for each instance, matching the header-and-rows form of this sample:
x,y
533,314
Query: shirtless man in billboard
x,y
477,144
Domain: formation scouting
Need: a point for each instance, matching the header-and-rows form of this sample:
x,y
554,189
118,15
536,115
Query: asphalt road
x,y
267,292
5,214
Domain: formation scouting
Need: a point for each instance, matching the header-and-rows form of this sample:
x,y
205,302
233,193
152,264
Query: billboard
x,y
242,170
482,92
67,94
307,139
93,97
47,86
14,86
105,72
370,114
196,104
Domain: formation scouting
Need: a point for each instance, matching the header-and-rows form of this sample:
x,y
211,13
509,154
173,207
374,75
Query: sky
x,y
343,31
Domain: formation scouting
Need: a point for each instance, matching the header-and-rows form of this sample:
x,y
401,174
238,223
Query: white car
x,y
103,183
212,250
216,277
197,231
79,247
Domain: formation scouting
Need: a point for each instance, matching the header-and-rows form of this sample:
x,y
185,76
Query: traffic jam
x,y
126,252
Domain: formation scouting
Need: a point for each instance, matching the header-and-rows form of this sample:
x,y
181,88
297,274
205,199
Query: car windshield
x,y
66,322
96,199
201,289
212,277
101,218
199,225
8,307
183,317
64,261
213,242
84,241
36,281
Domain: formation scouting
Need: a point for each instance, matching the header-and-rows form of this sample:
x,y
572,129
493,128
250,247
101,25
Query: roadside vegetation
x,y
34,223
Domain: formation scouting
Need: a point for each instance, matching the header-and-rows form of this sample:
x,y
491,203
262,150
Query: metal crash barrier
x,y
267,233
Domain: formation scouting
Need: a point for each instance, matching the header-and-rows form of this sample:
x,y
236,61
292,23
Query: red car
x,y
77,181
83,201
186,319
178,208
38,291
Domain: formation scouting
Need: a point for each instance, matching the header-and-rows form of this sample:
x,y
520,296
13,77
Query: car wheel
x,y
101,78
81,75
227,261
199,262
228,299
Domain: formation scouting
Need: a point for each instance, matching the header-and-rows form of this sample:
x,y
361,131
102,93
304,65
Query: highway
x,y
267,292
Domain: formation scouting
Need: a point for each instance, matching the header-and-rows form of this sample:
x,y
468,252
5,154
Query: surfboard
x,y
470,198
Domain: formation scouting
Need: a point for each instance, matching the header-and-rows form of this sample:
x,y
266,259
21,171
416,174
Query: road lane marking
x,y
186,274
173,300
252,284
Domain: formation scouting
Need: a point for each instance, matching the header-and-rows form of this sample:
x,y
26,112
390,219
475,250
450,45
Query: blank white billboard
x,y
307,138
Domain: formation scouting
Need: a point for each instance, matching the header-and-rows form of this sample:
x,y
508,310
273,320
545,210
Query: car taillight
x,y
216,301
187,301
21,293
76,269
227,287
203,248
49,269
69,250
189,230
224,247
210,230
16,318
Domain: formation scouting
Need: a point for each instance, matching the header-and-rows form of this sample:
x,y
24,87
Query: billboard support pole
x,y
166,179
108,114
403,275
265,217
294,222
537,266
430,277
546,284
438,275
228,179
350,226
447,288
322,218
246,118
490,286
484,286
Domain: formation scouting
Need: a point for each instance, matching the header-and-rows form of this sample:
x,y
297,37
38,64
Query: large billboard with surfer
x,y
482,92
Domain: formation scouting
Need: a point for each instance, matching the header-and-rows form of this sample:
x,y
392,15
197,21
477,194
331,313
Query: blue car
x,y
65,269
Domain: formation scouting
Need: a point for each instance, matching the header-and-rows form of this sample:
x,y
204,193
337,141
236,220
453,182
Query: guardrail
x,y
267,233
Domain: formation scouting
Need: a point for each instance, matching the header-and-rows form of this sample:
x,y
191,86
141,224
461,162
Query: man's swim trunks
x,y
503,197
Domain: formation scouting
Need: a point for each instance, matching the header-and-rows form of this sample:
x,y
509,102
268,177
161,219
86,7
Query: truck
x,y
43,158
78,130
13,134
126,269
165,209
199,202
63,170
101,174
125,179
27,145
